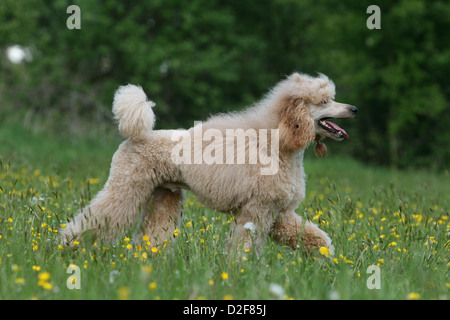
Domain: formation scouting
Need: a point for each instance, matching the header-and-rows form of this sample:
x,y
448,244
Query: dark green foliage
x,y
195,58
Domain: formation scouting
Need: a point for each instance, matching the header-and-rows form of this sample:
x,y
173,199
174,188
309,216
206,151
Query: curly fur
x,y
133,111
145,182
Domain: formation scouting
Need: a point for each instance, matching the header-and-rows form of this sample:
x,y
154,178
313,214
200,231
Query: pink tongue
x,y
337,128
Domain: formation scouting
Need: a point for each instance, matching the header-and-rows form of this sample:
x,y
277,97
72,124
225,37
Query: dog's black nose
x,y
354,109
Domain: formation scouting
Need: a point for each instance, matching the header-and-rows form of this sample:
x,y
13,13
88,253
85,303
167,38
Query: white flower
x,y
276,291
250,226
34,200
113,275
334,295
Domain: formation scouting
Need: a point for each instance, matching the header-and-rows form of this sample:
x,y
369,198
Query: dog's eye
x,y
325,101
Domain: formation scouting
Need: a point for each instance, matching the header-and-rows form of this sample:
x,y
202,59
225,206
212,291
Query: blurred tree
x,y
205,56
396,76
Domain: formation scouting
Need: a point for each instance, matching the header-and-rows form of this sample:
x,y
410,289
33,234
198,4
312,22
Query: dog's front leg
x,y
250,229
290,229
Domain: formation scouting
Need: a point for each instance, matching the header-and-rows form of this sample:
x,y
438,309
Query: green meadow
x,y
390,230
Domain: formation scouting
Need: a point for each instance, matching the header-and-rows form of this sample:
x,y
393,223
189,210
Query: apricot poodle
x,y
248,163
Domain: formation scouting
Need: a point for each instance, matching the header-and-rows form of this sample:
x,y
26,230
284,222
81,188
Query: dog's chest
x,y
287,187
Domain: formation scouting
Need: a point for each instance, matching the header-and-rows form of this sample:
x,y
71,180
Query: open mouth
x,y
332,129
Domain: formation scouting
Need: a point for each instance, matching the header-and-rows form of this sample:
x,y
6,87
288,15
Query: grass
x,y
395,220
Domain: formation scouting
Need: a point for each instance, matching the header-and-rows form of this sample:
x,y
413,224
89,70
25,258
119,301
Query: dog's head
x,y
306,109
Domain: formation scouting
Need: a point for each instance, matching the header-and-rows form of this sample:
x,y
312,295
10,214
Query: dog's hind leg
x,y
290,229
161,216
116,207
112,211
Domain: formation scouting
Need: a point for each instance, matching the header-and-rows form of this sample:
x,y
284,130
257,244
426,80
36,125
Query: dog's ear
x,y
296,126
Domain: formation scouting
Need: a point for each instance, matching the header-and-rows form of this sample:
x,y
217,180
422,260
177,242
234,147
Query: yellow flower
x,y
147,269
43,280
189,224
20,280
123,293
154,249
224,275
228,297
176,232
145,238
47,286
279,255
324,251
36,268
93,180
44,276
347,261
413,296
152,285
129,246
211,282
